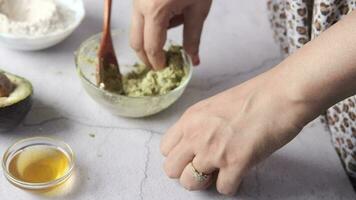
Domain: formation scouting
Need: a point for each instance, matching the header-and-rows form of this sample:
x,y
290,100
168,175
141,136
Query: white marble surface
x,y
123,160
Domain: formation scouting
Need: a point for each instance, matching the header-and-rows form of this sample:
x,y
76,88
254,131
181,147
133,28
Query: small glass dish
x,y
36,142
85,58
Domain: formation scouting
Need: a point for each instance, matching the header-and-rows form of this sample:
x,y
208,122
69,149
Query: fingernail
x,y
195,60
159,63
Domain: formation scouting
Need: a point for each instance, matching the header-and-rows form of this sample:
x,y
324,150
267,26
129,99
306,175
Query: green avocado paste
x,y
143,81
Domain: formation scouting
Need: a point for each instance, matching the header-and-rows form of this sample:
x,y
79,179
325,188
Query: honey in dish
x,y
39,164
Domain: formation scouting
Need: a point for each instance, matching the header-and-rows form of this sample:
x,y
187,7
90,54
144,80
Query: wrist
x,y
298,99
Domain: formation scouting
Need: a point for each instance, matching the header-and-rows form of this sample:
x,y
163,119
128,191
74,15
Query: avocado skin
x,y
11,116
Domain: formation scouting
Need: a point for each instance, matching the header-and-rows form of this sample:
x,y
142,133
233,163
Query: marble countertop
x,y
123,161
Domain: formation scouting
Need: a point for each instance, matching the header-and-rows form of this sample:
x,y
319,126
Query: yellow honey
x,y
39,164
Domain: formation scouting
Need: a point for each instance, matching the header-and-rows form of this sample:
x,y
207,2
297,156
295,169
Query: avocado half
x,y
15,100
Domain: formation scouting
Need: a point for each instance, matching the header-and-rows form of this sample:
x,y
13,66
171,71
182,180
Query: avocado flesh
x,y
22,90
15,107
143,81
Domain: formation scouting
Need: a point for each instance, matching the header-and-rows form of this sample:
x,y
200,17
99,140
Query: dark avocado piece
x,y
15,100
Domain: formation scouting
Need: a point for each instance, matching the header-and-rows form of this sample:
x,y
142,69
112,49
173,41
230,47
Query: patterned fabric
x,y
295,22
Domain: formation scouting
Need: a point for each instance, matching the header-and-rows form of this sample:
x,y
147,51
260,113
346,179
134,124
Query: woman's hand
x,y
234,130
152,18
231,132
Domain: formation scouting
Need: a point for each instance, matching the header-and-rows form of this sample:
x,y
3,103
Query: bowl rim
x,y
78,20
42,185
182,85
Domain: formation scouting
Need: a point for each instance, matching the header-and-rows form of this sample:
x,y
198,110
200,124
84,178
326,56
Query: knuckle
x,y
241,161
156,9
200,106
188,119
210,143
196,107
154,5
188,186
221,159
190,132
137,46
191,45
170,172
227,159
152,51
190,111
191,50
217,155
163,149
225,190
204,161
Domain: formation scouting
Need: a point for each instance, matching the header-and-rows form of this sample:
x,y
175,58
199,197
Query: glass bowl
x,y
85,58
39,143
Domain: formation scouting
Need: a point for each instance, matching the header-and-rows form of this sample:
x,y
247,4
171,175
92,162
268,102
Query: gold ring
x,y
199,176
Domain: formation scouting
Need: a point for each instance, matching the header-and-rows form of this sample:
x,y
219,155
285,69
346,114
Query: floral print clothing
x,y
295,22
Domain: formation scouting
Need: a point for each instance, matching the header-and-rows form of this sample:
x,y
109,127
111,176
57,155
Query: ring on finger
x,y
199,176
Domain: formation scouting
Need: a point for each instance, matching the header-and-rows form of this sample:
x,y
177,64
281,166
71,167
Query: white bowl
x,y
32,43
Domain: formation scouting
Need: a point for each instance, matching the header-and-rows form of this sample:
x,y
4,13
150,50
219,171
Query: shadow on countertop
x,y
41,120
280,177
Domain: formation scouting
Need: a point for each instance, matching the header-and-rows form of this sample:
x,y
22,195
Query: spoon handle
x,y
107,22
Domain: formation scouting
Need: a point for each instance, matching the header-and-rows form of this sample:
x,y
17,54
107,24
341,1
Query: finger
x,y
155,34
171,139
177,159
229,180
194,16
136,36
189,179
176,21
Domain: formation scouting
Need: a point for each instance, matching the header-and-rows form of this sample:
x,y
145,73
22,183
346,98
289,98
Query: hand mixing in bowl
x,y
231,132
151,19
146,82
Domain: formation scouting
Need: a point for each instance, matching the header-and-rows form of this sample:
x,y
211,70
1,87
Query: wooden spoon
x,y
108,74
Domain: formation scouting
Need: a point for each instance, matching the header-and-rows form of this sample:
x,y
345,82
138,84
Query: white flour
x,y
33,17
